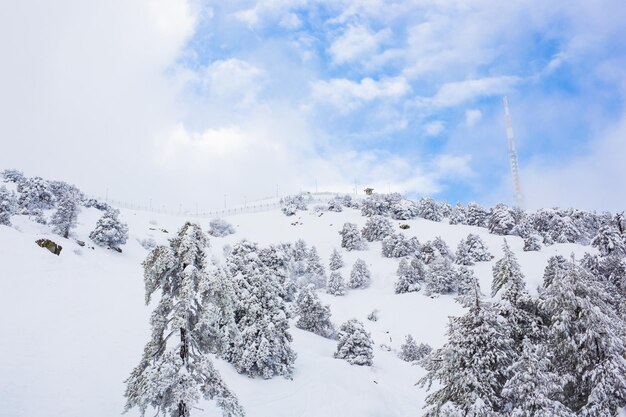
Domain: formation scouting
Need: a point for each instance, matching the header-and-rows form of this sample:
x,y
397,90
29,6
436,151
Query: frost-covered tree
x,y
336,285
501,221
312,315
351,238
360,276
261,315
300,250
355,345
428,209
609,241
35,196
278,259
532,243
533,388
476,215
471,368
467,283
556,265
410,351
374,205
8,205
67,204
441,278
403,210
586,339
291,204
507,276
472,249
377,228
110,231
175,371
12,175
315,272
220,228
410,276
335,205
398,246
457,215
336,260
436,248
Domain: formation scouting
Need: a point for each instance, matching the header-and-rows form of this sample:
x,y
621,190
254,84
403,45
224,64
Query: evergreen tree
x,y
220,228
475,215
609,241
355,344
35,196
175,371
66,215
404,210
507,276
428,209
501,221
313,316
398,246
467,283
278,260
110,231
300,251
8,205
410,351
375,205
334,205
377,228
360,276
441,278
457,215
336,261
315,272
410,274
351,238
532,243
471,367
533,388
335,284
586,339
471,250
556,264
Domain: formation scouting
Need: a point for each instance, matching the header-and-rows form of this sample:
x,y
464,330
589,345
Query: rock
x,y
80,243
119,250
404,226
50,245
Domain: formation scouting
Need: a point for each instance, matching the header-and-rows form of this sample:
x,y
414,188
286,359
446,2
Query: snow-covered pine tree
x,y
472,249
355,344
532,243
441,278
377,228
312,315
261,315
336,285
398,246
336,260
533,388
404,210
507,276
475,215
556,264
457,215
467,283
609,241
110,231
35,196
360,276
8,205
351,238
501,221
445,209
220,228
300,250
375,204
315,272
410,274
442,248
471,367
278,260
410,351
585,337
428,209
67,204
12,175
175,371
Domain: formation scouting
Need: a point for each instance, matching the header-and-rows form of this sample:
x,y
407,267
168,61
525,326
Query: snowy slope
x,y
74,326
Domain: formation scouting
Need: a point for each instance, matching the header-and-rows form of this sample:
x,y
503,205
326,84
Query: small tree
x,y
398,246
507,276
360,276
556,265
501,221
404,210
335,284
8,205
110,231
428,209
355,344
410,351
377,228
410,274
471,250
441,278
220,228
313,316
336,261
609,241
475,215
314,271
66,215
532,243
351,238
467,283
457,215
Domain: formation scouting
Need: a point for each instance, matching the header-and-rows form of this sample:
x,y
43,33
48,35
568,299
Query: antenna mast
x,y
517,186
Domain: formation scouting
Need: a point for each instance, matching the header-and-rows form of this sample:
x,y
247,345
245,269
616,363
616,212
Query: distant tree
x,y
13,175
458,214
441,278
556,265
472,249
335,205
312,315
8,205
532,243
315,272
410,275
176,372
220,228
110,231
428,209
377,228
351,238
35,196
66,215
291,204
278,259
355,344
609,241
501,221
467,283
300,251
398,246
335,285
410,351
374,205
437,248
404,210
360,276
476,215
336,261
507,275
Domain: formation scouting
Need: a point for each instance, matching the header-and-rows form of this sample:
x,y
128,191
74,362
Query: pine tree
x,y
457,215
586,339
404,210
471,367
428,209
336,284
442,248
609,241
351,238
532,243
475,215
501,221
8,205
410,274
374,205
410,351
336,261
556,265
315,272
278,260
507,276
35,196
300,251
175,371
220,228
472,249
377,228
467,283
533,388
398,246
441,278
66,215
313,316
110,231
355,344
360,276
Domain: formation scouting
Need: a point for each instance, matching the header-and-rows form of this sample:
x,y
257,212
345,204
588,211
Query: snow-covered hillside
x,y
74,326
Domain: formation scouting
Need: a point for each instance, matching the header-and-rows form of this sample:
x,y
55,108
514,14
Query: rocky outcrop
x,y
50,245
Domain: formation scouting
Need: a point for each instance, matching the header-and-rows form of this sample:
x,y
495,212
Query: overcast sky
x,y
182,102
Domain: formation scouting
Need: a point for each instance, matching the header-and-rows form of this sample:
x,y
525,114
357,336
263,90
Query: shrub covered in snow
x,y
355,344
428,209
410,275
336,285
220,228
360,275
110,231
312,315
336,261
398,246
335,205
377,228
472,249
291,204
375,205
8,205
351,238
410,351
441,278
404,210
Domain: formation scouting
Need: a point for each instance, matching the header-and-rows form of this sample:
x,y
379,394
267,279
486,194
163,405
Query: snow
x,y
74,326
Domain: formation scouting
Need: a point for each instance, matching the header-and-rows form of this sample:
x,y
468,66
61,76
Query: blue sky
x,y
239,97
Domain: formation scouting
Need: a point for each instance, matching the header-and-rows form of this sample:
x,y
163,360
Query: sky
x,y
183,103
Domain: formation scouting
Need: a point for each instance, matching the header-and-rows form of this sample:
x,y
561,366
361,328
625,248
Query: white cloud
x,y
355,42
434,128
472,116
347,95
233,80
455,93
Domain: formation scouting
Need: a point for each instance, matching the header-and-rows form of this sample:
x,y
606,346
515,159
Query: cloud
x,y
455,93
355,42
434,128
348,95
233,80
472,116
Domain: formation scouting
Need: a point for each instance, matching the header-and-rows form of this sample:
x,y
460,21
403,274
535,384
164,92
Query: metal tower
x,y
517,186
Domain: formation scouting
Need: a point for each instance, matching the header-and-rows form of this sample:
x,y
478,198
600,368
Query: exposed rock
x,y
80,243
404,226
50,245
